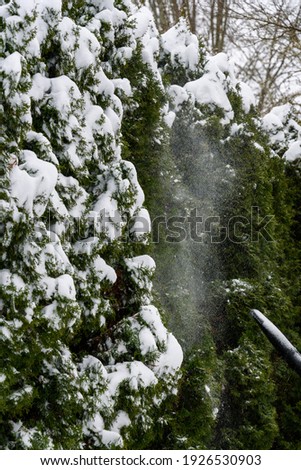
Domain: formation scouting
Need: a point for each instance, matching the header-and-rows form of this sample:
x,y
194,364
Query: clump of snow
x,y
146,31
141,268
141,262
294,151
124,85
135,373
141,223
151,317
211,89
248,97
284,131
5,332
7,278
54,4
92,363
277,116
33,182
236,128
110,438
241,286
65,287
219,62
181,45
132,175
273,123
88,46
63,92
143,19
178,96
103,270
169,118
147,341
170,361
122,420
96,424
11,67
43,144
25,7
25,435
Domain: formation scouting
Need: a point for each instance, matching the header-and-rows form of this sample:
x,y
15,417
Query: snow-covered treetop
x,y
284,131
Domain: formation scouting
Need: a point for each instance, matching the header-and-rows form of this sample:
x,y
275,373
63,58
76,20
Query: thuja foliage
x,y
93,96
234,181
86,361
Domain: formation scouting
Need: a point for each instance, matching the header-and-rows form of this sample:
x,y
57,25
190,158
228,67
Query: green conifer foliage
x,y
94,102
283,128
85,358
231,172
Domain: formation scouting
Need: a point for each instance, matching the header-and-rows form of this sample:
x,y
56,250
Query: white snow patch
x,y
40,86
26,7
141,223
151,316
96,424
147,341
110,438
143,19
124,85
136,373
132,176
169,118
33,182
105,85
178,96
170,361
248,97
141,262
209,90
219,62
294,151
181,45
241,286
12,67
63,286
5,332
52,4
7,278
122,420
103,270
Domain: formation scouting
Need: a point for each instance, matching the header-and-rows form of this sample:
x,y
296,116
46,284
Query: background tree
x,y
168,12
263,38
267,38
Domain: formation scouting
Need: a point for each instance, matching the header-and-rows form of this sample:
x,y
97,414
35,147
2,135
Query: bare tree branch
x,y
264,35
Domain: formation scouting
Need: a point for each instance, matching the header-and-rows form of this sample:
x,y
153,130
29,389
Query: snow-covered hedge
x,y
85,356
93,102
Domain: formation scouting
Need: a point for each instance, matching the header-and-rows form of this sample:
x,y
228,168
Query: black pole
x,y
279,341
